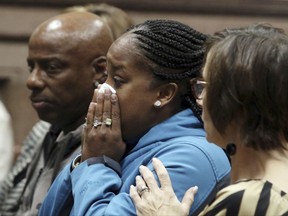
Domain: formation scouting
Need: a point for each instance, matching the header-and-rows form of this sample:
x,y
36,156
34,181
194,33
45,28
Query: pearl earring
x,y
157,104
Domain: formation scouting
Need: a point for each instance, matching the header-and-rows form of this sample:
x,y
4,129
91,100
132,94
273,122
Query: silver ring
x,y
97,123
108,122
142,190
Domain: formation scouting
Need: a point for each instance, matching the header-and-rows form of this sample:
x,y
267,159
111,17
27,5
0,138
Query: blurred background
x,y
18,18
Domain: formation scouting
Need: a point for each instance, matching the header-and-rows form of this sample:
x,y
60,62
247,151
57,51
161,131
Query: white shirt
x,y
6,142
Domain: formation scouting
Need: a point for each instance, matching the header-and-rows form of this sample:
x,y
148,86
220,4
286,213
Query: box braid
x,y
173,45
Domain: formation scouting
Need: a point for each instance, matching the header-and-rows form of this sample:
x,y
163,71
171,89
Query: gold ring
x,y
142,190
108,122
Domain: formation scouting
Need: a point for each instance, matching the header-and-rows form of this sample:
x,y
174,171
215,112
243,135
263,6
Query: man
x,y
66,59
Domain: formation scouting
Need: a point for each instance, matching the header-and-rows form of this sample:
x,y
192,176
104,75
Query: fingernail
x,y
195,189
107,91
155,160
100,95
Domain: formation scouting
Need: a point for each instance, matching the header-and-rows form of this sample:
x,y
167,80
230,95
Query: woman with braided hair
x,y
149,71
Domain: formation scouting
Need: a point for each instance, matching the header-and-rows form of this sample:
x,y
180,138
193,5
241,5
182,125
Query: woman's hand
x,y
149,199
102,133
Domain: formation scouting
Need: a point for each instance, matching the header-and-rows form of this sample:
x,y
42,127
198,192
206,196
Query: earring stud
x,y
157,104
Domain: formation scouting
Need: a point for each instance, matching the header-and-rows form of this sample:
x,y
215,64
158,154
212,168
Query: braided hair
x,y
176,52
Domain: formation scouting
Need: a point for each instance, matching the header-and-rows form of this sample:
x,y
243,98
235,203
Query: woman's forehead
x,y
123,45
124,49
127,40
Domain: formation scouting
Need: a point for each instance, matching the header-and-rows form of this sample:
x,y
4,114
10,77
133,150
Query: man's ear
x,y
167,93
99,66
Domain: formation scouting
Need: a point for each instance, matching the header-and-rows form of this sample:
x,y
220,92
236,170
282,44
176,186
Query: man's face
x,y
61,77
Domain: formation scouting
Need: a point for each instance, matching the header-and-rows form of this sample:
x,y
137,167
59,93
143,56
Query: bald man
x,y
66,60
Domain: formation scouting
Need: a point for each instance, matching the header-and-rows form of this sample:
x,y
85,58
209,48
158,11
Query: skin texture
x,y
65,58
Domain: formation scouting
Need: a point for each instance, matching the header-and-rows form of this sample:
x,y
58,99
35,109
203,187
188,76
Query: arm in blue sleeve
x,y
94,185
94,188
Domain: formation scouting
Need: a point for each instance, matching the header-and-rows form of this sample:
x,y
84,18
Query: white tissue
x,y
106,86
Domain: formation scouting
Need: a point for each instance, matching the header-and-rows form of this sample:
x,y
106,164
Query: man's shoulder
x,y
35,137
40,128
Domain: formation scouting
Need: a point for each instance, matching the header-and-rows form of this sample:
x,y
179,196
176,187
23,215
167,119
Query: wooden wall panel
x,y
244,7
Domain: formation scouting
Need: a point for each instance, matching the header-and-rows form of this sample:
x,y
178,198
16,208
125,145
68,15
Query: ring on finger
x,y
108,122
142,190
97,123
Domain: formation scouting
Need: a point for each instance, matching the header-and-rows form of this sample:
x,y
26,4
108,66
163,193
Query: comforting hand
x,y
149,199
102,133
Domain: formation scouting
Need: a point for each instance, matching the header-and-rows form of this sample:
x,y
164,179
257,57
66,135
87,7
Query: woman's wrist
x,y
76,162
101,159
